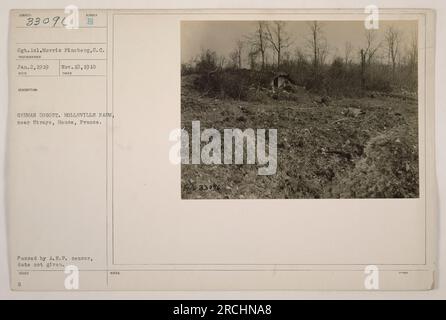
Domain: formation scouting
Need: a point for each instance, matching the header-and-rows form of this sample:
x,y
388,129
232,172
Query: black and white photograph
x,y
222,157
299,110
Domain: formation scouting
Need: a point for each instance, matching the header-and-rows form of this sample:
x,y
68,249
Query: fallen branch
x,y
339,120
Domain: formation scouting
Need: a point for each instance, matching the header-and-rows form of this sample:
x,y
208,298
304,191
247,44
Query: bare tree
x,y
252,56
259,43
348,48
301,58
221,60
323,53
372,46
393,39
240,45
318,46
412,55
368,53
278,39
206,61
236,54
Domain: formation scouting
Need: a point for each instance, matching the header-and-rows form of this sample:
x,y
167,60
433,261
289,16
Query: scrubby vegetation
x,y
347,128
374,69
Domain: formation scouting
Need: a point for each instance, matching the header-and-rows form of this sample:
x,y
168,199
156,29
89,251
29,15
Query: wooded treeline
x,y
383,63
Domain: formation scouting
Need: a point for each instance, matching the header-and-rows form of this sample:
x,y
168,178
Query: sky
x,y
222,36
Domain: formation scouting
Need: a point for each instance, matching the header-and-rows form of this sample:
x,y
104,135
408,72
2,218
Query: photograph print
x,y
299,110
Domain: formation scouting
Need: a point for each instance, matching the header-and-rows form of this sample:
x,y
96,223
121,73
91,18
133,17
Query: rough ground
x,y
343,148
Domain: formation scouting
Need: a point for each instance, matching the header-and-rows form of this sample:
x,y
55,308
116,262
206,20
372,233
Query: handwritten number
x,y
55,20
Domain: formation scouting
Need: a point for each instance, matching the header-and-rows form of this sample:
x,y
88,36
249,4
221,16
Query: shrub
x,y
389,170
223,83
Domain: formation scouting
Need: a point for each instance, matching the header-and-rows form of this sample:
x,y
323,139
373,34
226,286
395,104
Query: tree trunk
x,y
363,69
